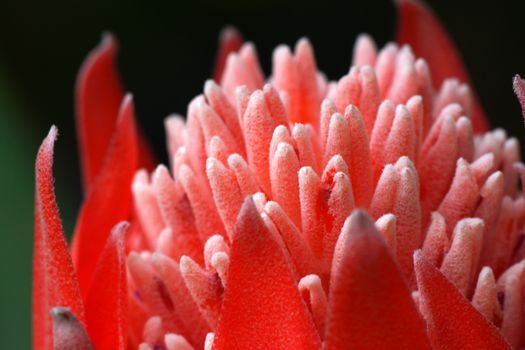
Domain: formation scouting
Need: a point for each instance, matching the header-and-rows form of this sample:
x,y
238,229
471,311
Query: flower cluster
x,y
372,212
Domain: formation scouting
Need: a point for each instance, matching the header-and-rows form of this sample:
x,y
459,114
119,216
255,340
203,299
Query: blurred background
x,y
166,54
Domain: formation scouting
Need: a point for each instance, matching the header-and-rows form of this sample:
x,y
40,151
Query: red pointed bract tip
x,y
291,211
106,307
99,93
110,198
99,96
54,279
262,307
365,311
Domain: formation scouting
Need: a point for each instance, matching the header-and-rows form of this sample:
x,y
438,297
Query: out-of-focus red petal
x,y
54,279
109,201
230,40
106,304
262,307
452,322
98,97
419,27
68,332
99,94
370,306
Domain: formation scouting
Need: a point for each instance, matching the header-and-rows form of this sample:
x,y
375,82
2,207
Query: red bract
x,y
363,213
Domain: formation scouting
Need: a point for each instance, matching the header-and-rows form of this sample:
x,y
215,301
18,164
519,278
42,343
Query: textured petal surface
x,y
54,279
109,201
370,306
452,322
419,28
262,307
106,305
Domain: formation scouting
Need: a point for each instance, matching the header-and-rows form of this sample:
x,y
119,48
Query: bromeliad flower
x,y
372,212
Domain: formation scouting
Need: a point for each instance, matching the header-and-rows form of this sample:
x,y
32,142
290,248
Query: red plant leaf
x,y
109,201
106,305
230,40
420,28
262,307
452,322
370,305
54,279
99,94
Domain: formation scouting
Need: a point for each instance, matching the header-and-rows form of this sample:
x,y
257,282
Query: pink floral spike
x,y
340,204
175,208
212,125
106,308
460,326
54,280
355,295
482,167
491,197
328,108
272,293
365,51
437,165
207,220
370,96
314,296
205,288
462,197
338,139
245,178
461,261
146,207
296,244
230,40
512,322
220,104
226,193
283,176
404,81
153,292
436,242
386,226
485,298
176,342
68,331
401,140
417,23
305,146
259,125
183,305
465,139
311,209
248,54
360,159
384,67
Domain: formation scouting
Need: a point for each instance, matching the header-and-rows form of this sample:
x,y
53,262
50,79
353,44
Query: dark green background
x,y
167,50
